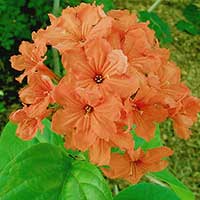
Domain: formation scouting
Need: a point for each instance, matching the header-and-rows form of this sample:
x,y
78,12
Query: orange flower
x,y
186,116
143,112
30,60
85,115
76,27
40,88
132,166
122,22
29,120
99,151
101,69
170,90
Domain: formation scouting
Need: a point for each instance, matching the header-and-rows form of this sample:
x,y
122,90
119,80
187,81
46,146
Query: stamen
x,y
98,78
88,109
134,95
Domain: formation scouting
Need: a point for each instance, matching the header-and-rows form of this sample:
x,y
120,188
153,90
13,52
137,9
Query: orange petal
x,y
181,124
83,136
119,166
99,152
156,154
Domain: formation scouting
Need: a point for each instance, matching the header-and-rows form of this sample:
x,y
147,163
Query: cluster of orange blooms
x,y
117,76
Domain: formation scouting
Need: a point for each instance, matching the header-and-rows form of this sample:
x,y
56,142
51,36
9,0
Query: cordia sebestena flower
x,y
117,76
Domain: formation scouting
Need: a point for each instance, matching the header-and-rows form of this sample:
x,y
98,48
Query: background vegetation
x,y
20,17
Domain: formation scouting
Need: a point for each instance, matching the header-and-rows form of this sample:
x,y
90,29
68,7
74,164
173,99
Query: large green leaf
x,y
181,190
86,182
44,171
11,145
158,25
37,173
153,143
146,191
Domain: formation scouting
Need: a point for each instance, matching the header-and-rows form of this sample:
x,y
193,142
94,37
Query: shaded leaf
x,y
160,27
146,191
192,14
188,27
108,4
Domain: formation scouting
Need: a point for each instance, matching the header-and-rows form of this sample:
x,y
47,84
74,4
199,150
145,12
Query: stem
x,y
154,5
116,190
56,61
153,180
56,7
56,58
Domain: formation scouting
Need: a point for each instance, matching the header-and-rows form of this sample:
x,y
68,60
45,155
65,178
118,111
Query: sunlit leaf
x,y
11,145
181,190
85,182
146,191
37,173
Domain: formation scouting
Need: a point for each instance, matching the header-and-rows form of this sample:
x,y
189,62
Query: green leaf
x,y
37,173
192,14
37,170
11,145
181,190
45,172
188,27
108,4
48,136
153,143
158,25
74,2
85,182
146,191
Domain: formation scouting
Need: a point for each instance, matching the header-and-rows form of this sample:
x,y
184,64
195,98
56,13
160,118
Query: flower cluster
x,y
117,76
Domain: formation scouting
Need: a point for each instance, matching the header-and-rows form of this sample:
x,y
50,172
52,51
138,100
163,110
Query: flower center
x,y
88,109
98,78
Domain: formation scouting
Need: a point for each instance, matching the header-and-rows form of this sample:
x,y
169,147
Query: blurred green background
x,y
18,18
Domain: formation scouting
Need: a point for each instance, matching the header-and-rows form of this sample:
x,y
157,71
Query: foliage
x,y
192,22
153,191
19,18
181,190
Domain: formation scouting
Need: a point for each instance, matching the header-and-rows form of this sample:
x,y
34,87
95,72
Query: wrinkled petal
x,y
99,152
